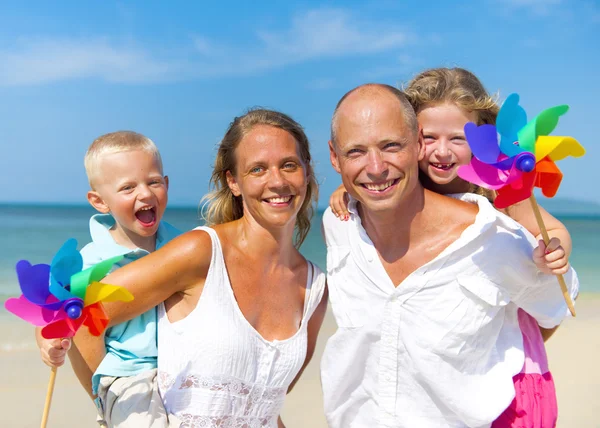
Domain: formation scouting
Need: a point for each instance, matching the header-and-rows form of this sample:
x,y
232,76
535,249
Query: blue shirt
x,y
131,347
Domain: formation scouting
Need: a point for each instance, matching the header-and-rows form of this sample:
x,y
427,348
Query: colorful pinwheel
x,y
522,159
61,297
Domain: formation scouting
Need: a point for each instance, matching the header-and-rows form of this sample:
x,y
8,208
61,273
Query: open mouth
x,y
146,216
442,166
279,201
380,187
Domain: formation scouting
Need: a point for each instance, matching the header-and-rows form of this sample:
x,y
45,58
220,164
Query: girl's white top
x,y
215,369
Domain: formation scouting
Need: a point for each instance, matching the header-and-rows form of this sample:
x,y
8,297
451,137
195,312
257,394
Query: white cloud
x,y
316,34
36,61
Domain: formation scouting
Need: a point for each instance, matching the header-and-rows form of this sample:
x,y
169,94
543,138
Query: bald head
x,y
356,99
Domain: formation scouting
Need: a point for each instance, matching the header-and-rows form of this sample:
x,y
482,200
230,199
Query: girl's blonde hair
x,y
457,86
221,206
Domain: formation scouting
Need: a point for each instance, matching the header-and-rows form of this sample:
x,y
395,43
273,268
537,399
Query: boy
x,y
128,188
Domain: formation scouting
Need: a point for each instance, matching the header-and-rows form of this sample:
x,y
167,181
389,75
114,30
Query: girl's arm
x,y
551,259
178,267
523,213
339,203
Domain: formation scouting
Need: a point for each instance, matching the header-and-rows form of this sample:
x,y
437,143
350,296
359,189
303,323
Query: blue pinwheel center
x,y
73,307
525,162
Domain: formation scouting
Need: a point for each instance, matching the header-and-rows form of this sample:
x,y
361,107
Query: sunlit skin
x,y
270,178
131,187
375,153
445,150
267,273
446,147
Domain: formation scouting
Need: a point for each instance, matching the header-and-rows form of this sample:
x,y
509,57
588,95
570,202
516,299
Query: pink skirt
x,y
534,405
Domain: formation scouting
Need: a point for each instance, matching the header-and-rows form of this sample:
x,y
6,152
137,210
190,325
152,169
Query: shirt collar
x,y
100,225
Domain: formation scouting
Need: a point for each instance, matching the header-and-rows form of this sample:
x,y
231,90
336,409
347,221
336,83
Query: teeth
x,y
379,187
442,165
280,200
145,209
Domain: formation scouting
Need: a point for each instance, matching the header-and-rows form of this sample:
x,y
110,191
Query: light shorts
x,y
132,402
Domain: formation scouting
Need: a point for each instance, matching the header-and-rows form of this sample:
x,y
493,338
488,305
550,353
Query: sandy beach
x,y
572,352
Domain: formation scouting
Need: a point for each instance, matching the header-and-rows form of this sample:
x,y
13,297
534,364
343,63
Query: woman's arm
x,y
314,325
178,267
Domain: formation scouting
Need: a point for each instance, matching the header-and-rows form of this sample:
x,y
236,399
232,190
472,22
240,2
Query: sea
x,y
36,232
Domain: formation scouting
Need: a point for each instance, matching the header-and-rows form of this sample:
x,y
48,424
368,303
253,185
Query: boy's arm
x,y
85,355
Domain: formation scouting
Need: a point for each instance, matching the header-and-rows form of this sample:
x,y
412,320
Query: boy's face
x,y
130,186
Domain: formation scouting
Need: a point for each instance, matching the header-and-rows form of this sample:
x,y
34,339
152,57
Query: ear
x,y
167,181
97,202
232,183
421,143
333,157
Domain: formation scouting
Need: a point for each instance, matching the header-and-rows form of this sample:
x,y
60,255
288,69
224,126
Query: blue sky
x,y
179,72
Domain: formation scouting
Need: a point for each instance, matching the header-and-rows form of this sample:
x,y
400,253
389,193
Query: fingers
x,y
54,351
551,258
339,204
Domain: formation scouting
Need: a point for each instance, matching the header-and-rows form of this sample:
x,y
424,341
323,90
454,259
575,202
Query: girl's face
x,y
446,147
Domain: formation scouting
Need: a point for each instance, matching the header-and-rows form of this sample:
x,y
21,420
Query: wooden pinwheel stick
x,y
49,397
561,280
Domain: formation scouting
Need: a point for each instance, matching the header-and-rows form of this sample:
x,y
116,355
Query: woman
x,y
242,307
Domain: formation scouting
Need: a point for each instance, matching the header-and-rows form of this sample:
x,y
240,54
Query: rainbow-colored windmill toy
x,y
61,297
522,159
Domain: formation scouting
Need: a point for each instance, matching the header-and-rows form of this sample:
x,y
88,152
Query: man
x,y
424,288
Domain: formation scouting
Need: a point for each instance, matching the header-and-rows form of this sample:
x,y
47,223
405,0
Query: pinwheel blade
x,y
66,262
483,141
81,280
511,118
96,319
509,195
34,281
548,177
65,327
543,124
557,148
100,292
31,312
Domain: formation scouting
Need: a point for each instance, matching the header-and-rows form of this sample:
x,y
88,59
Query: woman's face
x,y
270,176
446,147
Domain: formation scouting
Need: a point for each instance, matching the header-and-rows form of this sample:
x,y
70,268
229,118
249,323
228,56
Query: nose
x,y
376,165
442,148
144,191
276,179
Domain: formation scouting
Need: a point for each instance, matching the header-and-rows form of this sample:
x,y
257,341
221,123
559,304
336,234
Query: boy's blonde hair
x,y
220,205
116,142
455,85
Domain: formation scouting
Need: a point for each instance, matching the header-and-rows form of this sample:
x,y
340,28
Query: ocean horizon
x,y
36,231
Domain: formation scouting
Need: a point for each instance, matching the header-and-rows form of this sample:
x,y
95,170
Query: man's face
x,y
375,152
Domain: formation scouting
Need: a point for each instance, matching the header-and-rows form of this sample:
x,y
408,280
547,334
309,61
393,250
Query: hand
x,y
551,259
339,203
53,351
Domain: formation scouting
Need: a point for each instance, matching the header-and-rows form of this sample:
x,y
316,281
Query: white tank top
x,y
215,369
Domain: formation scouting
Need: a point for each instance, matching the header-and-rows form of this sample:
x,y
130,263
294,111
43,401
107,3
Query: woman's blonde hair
x,y
457,86
221,206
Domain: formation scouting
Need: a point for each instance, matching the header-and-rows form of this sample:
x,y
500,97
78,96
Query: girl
x,y
445,100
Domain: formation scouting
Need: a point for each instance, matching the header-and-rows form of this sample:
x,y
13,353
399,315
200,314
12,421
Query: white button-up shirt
x,y
441,348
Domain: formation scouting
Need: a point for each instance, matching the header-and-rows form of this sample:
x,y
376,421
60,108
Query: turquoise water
x,y
36,232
